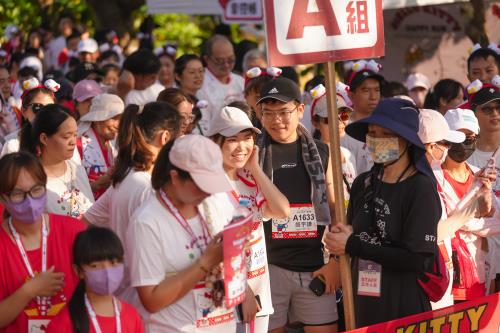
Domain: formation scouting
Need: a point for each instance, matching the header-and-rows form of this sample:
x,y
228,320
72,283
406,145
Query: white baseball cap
x,y
433,127
88,45
417,80
462,119
230,121
202,159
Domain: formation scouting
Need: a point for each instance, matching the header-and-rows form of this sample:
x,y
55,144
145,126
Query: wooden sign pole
x,y
338,187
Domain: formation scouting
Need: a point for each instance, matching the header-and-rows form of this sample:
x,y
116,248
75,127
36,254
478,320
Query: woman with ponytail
x,y
142,133
36,277
98,261
34,97
53,139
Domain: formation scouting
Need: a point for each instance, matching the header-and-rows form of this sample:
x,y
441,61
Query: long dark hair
x,y
91,245
137,130
47,121
446,89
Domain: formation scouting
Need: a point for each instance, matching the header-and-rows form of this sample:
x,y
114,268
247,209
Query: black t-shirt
x,y
292,179
406,216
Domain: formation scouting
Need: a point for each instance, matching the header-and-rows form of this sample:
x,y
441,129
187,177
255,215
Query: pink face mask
x,y
27,211
104,281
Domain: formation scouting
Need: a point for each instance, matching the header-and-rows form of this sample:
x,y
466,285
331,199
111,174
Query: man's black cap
x,y
358,77
281,89
485,95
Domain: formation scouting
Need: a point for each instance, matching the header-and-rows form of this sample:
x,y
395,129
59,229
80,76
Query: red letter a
x,y
300,19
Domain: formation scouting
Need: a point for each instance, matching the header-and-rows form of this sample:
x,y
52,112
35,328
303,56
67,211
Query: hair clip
x,y
474,86
3,54
166,49
202,104
318,91
253,72
257,71
113,47
52,85
474,48
496,81
342,90
348,65
494,47
371,65
31,84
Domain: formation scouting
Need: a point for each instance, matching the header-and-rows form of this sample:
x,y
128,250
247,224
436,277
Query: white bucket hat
x,y
103,107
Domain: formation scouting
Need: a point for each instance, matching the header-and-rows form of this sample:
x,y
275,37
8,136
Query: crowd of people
x,y
120,171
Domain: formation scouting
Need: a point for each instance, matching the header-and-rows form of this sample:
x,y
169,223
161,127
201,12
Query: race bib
x,y
256,264
369,278
207,314
300,224
38,325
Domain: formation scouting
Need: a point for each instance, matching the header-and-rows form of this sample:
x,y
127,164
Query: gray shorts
x,y
295,303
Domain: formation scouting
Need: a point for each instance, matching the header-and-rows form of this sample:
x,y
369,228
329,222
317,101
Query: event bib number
x,y
300,224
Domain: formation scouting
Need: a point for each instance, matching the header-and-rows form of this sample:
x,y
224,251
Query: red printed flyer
x,y
235,238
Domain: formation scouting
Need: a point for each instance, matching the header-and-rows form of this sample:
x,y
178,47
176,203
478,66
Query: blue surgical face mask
x,y
383,150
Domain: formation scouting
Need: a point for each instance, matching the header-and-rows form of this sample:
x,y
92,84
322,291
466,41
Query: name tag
x,y
300,224
38,325
369,278
256,261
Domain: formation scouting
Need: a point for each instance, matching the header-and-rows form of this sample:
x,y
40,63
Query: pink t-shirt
x,y
130,321
13,272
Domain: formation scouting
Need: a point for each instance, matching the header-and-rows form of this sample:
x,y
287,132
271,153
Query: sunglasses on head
x,y
35,107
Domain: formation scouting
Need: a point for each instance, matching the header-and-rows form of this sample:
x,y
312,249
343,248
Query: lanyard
x,y
41,301
93,316
104,150
182,221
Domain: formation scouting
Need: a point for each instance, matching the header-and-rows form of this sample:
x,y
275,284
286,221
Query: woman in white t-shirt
x,y
233,131
174,243
141,135
52,137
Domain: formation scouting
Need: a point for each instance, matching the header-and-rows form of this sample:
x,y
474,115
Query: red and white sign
x,y
479,315
242,11
313,31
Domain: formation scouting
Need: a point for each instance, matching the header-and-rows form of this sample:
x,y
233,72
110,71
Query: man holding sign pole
x,y
304,32
302,286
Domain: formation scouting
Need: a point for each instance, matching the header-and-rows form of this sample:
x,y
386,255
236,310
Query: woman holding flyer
x,y
173,241
233,131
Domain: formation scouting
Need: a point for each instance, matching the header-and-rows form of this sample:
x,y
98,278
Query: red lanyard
x,y
104,150
182,221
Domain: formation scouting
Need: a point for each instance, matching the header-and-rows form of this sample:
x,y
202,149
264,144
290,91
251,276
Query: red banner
x,y
480,315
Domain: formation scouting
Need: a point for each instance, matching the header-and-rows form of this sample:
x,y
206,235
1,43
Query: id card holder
x,y
38,325
369,278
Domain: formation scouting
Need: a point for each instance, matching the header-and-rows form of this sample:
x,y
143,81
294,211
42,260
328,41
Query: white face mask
x,y
437,162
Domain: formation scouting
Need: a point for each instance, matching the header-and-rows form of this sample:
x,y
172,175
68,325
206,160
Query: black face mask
x,y
460,152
